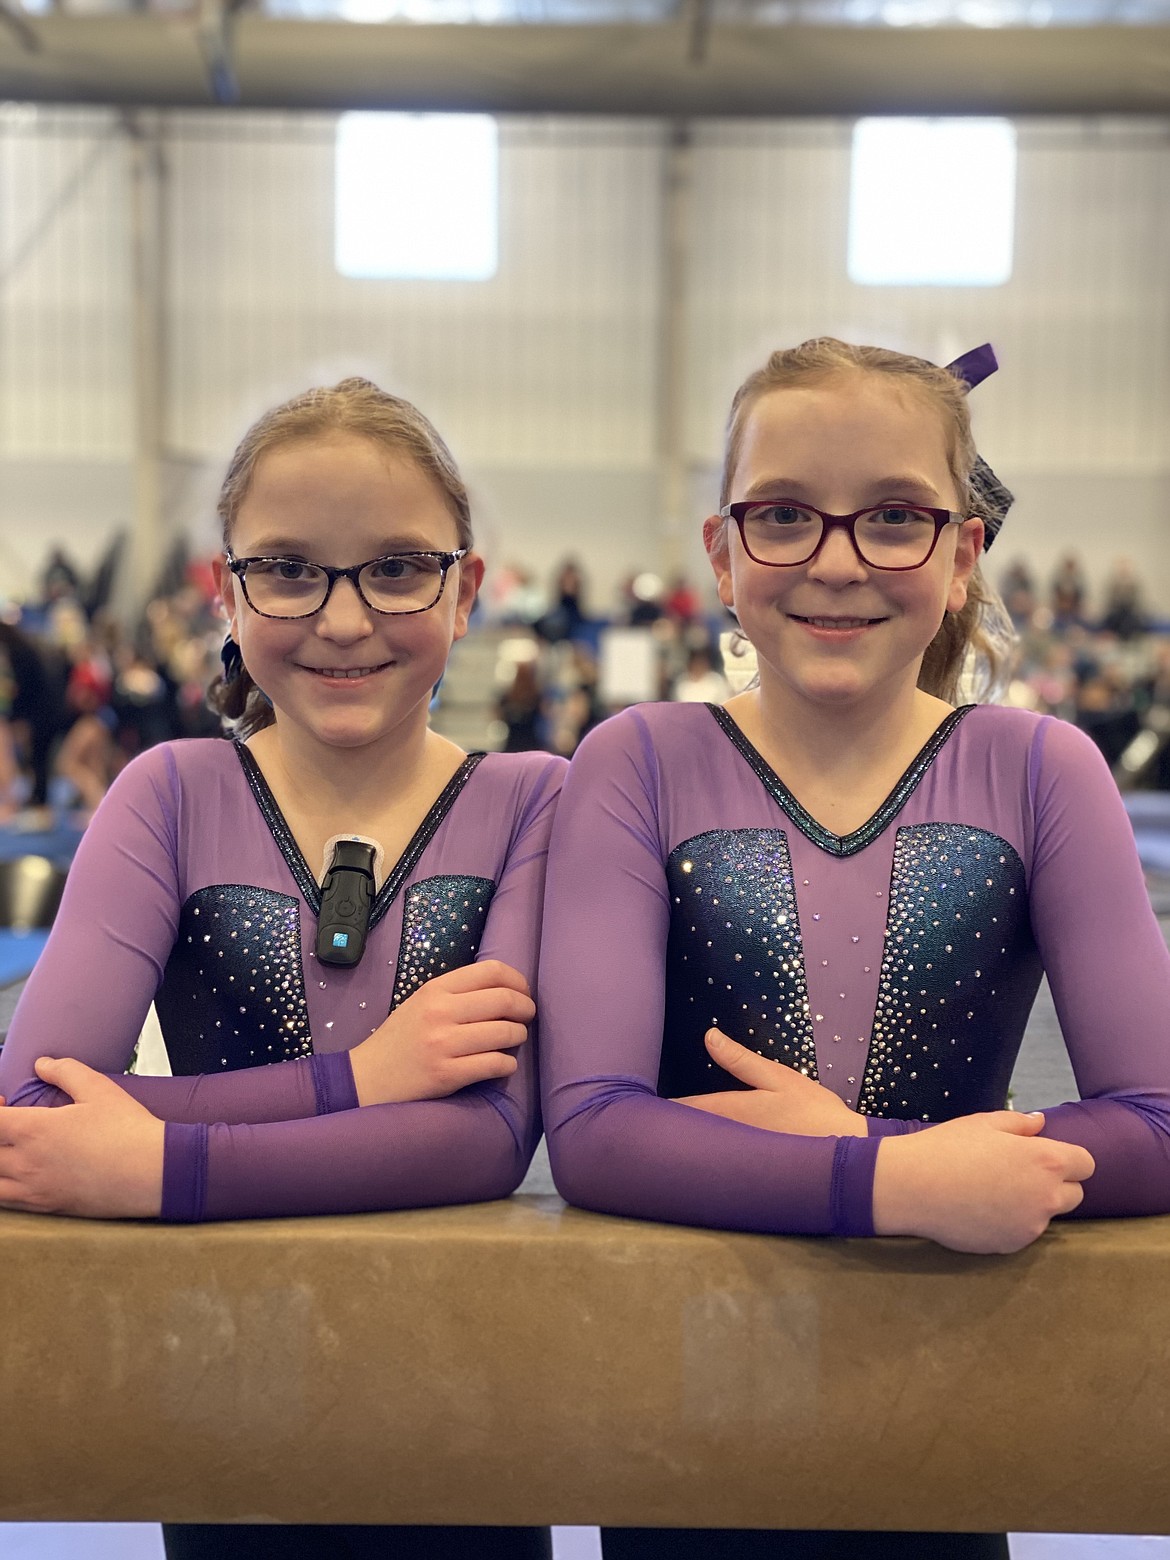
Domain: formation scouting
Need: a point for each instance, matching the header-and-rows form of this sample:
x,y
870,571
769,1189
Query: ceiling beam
x,y
624,70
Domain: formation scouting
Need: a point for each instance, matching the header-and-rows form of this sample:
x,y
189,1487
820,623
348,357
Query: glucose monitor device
x,y
347,897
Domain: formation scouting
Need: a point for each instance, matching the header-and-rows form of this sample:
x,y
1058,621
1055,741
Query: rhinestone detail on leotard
x,y
735,957
233,993
442,924
959,973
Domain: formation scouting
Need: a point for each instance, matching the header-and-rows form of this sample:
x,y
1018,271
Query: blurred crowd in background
x,y
82,691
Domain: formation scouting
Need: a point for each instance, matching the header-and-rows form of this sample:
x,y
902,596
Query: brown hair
x,y
981,629
354,406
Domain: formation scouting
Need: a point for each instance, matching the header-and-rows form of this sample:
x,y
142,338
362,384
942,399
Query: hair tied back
x,y
233,661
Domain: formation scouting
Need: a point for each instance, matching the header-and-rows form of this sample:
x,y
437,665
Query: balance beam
x,y
521,1362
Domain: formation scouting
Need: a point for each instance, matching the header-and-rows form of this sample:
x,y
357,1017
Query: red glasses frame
x,y
740,511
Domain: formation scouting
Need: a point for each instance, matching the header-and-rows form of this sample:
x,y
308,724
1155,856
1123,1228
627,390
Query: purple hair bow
x,y
994,500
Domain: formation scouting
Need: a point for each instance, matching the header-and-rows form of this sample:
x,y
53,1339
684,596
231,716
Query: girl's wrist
x,y
897,1201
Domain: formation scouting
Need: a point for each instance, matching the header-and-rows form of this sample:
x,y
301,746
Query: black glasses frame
x,y
941,517
445,560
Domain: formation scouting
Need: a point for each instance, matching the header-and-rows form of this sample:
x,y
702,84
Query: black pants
x,y
754,1544
242,1541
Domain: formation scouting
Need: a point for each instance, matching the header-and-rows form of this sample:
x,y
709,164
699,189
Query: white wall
x,y
545,379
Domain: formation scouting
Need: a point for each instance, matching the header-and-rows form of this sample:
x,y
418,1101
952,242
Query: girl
x,y
841,872
348,573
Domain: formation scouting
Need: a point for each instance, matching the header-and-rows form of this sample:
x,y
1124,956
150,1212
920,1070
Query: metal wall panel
x,y
553,366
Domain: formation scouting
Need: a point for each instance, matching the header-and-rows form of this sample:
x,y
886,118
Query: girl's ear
x,y
967,551
470,579
715,541
225,585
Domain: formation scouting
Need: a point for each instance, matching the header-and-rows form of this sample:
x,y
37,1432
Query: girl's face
x,y
834,630
342,500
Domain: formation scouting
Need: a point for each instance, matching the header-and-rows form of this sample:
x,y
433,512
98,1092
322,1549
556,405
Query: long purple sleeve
x,y
897,965
258,1141
1109,969
614,1145
92,987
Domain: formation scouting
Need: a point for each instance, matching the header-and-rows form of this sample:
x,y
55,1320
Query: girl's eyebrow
x,y
770,487
285,547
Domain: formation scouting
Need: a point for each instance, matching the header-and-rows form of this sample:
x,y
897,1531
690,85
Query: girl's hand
x,y
99,1158
458,1029
779,1098
982,1183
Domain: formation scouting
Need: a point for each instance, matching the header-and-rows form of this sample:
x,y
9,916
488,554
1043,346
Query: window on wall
x,y
417,196
932,202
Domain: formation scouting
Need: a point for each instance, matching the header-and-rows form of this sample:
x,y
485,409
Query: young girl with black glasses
x,y
276,897
824,908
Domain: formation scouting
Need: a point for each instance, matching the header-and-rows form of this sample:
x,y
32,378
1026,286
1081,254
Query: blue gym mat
x,y
56,844
19,951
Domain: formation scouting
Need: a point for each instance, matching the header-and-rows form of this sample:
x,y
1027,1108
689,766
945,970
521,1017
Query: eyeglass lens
x,y
893,537
286,587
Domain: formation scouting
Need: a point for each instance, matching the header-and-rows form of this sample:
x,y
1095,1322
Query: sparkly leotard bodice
x,y
956,971
189,890
233,990
895,965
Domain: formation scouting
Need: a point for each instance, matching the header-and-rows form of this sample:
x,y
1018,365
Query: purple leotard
x,y
189,890
897,964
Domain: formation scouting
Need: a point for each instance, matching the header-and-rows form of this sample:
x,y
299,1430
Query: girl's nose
x,y
838,559
345,615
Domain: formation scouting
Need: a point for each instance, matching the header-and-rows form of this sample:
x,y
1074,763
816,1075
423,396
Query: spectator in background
x,y
60,577
577,707
514,596
184,633
700,683
520,709
36,704
1055,681
682,601
1124,615
1018,589
643,600
88,757
1106,709
143,702
1068,592
565,617
9,769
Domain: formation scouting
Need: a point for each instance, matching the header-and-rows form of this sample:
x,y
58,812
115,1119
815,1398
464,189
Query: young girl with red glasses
x,y
203,886
824,908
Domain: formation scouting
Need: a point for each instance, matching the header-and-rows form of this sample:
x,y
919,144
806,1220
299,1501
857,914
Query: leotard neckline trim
x,y
842,844
299,867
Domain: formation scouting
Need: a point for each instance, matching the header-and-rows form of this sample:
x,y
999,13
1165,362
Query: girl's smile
x,y
341,674
836,628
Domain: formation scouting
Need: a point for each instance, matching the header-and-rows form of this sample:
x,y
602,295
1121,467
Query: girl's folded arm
x,y
614,1145
93,985
1109,970
469,1147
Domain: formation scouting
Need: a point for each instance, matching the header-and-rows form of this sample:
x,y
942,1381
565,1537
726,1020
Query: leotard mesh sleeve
x,y
1109,970
93,985
614,1145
